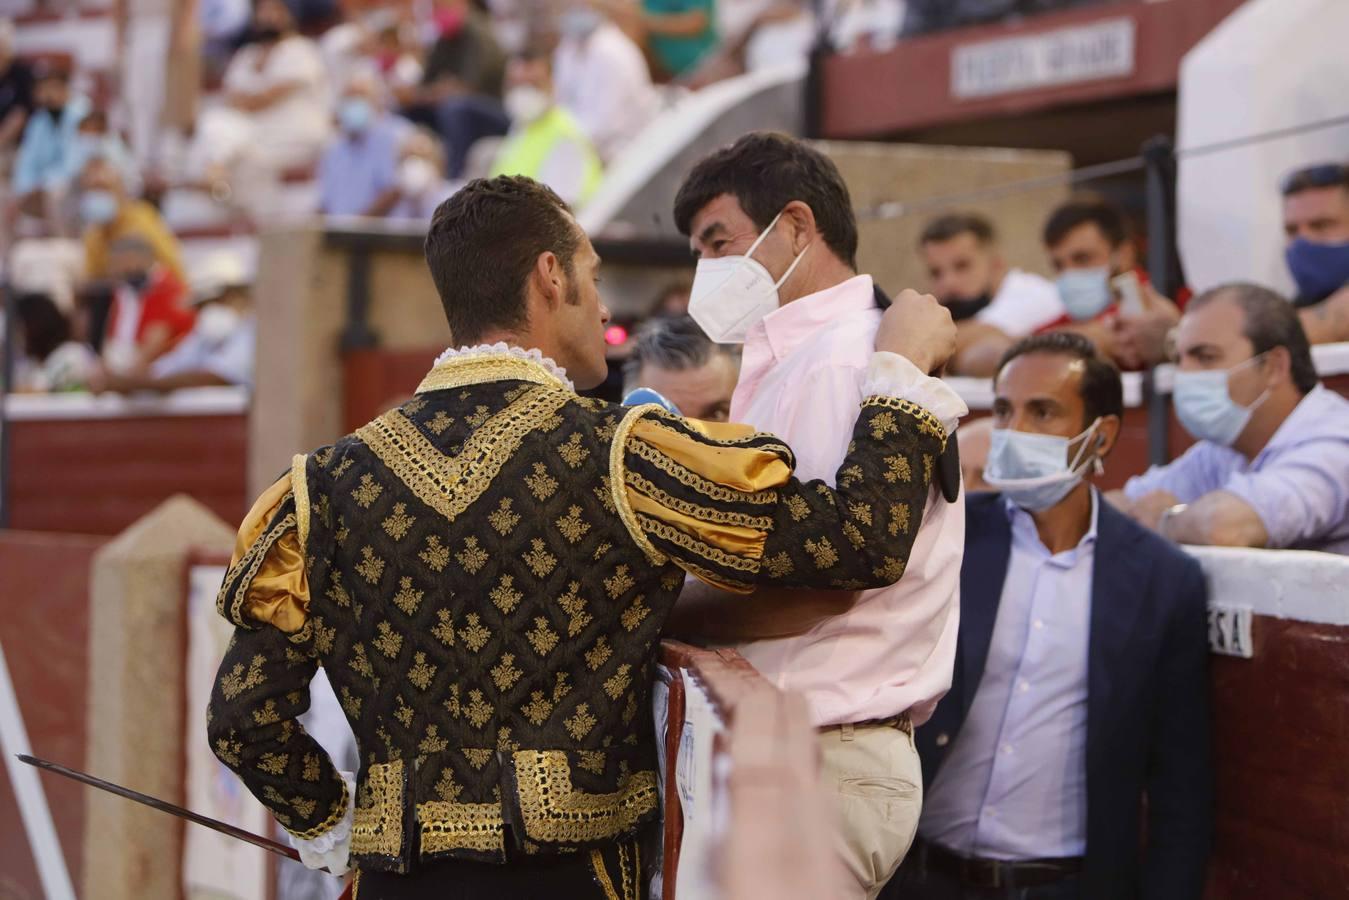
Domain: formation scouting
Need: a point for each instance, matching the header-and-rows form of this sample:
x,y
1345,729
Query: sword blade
x,y
240,834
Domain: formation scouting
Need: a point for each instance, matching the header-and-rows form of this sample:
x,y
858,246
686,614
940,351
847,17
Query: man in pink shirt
x,y
771,223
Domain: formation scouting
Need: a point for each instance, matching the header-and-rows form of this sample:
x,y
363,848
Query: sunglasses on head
x,y
1320,176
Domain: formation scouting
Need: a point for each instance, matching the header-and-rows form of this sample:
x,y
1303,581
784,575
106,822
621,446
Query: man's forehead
x,y
1040,375
1316,201
722,211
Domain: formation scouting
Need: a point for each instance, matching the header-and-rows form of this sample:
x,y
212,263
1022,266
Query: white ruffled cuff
x,y
332,849
891,375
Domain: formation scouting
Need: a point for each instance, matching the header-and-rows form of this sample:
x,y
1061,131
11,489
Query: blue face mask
x,y
98,207
1319,269
1033,470
354,115
1206,408
579,22
1085,292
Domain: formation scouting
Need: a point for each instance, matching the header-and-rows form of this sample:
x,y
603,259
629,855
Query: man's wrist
x,y
1168,514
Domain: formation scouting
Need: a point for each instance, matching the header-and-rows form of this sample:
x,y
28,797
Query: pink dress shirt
x,y
803,376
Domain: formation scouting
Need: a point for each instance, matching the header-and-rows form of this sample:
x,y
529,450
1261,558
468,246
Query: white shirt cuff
x,y
891,375
332,849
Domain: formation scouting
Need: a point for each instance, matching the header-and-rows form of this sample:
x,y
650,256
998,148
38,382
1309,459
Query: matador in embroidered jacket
x,y
483,573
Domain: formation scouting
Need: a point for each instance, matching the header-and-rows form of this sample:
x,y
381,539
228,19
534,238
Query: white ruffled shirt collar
x,y
501,348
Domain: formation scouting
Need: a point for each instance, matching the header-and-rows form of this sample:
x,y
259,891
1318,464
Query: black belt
x,y
976,872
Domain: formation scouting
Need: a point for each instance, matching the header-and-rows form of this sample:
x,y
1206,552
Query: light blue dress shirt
x,y
231,359
1014,785
1298,484
356,169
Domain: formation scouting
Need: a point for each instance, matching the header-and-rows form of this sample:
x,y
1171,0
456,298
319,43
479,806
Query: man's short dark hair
x,y
1101,389
765,171
1322,175
1086,211
676,344
1271,321
482,244
945,228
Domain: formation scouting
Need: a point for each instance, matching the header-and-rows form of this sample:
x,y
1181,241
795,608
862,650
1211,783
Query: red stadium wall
x,y
98,475
44,618
1281,725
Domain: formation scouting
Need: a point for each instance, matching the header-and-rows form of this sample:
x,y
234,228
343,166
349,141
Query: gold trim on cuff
x,y
299,488
618,481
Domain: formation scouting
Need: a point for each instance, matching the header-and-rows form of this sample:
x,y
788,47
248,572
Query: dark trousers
x,y
611,874
914,882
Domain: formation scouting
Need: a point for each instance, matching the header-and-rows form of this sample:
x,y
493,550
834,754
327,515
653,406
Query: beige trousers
x,y
874,774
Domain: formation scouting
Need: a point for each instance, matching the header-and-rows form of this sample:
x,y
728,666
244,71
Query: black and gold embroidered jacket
x,y
484,573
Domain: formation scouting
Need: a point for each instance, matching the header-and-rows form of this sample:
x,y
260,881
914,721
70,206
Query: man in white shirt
x,y
601,77
993,305
772,224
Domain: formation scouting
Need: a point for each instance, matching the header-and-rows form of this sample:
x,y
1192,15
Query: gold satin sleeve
x,y
267,582
700,494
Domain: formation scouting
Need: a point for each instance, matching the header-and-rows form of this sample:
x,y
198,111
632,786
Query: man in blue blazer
x,y
1071,757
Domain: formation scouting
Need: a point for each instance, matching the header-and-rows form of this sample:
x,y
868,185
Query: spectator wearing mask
x,y
50,358
992,304
1316,222
16,96
460,93
1088,244
545,143
421,185
147,318
681,34
1081,684
1271,468
109,215
676,360
601,78
94,140
772,224
276,115
358,172
50,141
217,351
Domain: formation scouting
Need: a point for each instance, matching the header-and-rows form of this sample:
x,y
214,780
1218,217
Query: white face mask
x,y
416,176
1033,470
525,104
217,322
731,293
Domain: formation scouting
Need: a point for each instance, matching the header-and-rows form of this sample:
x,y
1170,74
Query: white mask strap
x,y
1085,437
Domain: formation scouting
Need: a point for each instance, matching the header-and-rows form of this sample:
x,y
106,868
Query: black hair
x,y
677,344
1083,211
45,327
944,228
764,171
1308,178
1101,389
482,245
1271,321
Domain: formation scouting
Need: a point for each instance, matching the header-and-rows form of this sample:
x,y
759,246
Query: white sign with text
x,y
1051,59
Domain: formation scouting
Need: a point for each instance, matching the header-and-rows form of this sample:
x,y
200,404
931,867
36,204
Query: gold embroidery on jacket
x,y
699,511
618,491
247,569
708,552
884,423
459,371
377,828
447,826
503,521
552,810
398,522
541,484
450,484
299,487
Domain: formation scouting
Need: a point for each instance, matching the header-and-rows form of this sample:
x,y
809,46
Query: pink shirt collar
x,y
786,327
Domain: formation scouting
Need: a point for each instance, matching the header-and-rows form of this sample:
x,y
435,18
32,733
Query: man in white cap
x,y
219,349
